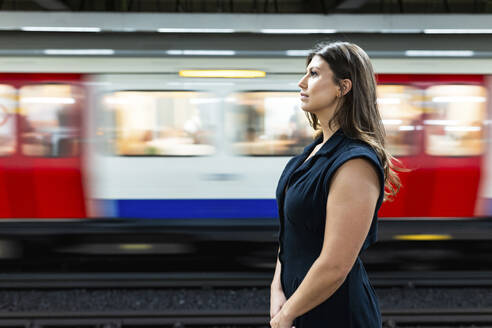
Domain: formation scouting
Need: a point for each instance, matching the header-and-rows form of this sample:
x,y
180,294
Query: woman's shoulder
x,y
355,147
359,146
351,149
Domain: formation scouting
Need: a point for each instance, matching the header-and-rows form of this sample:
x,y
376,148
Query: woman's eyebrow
x,y
307,69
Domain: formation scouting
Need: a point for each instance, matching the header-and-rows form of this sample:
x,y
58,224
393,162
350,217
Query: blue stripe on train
x,y
197,208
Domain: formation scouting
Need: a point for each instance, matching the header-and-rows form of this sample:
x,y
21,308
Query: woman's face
x,y
318,91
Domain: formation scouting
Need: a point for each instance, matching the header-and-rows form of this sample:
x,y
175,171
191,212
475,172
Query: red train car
x,y
41,127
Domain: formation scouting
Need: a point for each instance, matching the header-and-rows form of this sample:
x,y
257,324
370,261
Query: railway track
x,y
227,279
437,318
431,279
391,319
133,280
131,319
422,318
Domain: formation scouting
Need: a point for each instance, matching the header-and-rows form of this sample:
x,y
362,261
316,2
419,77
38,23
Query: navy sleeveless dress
x,y
301,194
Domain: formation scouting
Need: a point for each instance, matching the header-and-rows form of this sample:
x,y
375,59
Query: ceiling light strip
x,y
457,31
297,31
79,52
439,53
201,52
222,73
195,30
59,29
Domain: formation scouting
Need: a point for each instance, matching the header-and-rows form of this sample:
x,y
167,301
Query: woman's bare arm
x,y
277,296
352,199
276,284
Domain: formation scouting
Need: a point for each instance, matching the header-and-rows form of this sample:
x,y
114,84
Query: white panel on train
x,y
145,150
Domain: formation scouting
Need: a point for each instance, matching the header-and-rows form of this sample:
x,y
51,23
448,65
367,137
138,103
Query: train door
x,y
401,111
42,174
455,145
157,151
8,146
264,128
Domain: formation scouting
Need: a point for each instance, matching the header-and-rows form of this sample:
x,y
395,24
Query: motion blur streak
x,y
165,146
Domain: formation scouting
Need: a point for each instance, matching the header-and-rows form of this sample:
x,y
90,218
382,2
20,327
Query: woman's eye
x,y
313,73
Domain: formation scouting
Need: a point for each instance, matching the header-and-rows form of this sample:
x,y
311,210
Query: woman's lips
x,y
303,96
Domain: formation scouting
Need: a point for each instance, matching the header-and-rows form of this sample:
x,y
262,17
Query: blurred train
x,y
163,146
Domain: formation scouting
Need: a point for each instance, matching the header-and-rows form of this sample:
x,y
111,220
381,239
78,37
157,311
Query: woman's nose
x,y
301,84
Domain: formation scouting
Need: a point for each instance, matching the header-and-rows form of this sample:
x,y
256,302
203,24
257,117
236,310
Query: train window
x,y
454,124
401,111
162,123
267,123
50,117
7,119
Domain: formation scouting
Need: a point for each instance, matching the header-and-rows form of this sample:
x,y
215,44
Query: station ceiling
x,y
256,6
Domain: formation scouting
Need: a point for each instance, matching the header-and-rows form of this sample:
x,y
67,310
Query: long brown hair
x,y
357,114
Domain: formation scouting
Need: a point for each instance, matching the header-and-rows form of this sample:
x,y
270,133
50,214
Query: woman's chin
x,y
305,108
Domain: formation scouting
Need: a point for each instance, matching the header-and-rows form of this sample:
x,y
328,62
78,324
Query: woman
x,y
329,196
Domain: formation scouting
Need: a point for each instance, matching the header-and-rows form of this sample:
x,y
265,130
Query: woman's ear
x,y
346,86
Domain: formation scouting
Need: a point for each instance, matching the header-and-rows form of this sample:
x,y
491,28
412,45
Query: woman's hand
x,y
281,320
277,300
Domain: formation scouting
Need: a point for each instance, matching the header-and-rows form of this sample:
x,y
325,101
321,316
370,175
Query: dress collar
x,y
328,146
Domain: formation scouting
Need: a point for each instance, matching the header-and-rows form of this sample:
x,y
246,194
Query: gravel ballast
x,y
209,299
